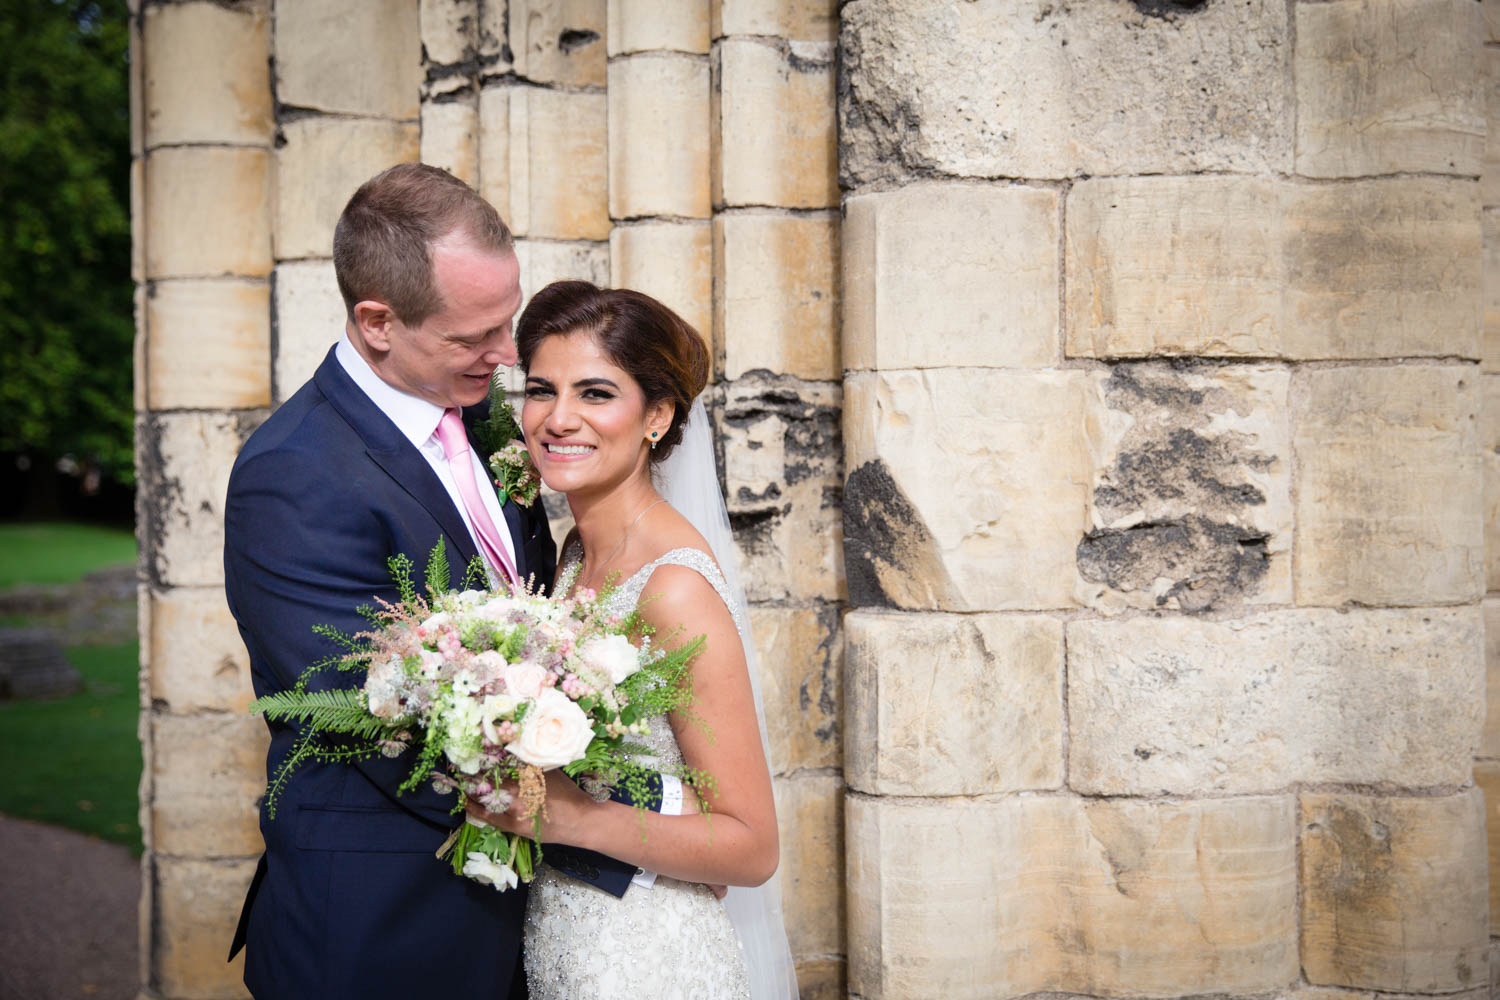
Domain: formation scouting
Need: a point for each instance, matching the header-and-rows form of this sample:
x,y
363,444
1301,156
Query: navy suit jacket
x,y
349,900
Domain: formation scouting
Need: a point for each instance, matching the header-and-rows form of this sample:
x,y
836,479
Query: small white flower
x,y
494,709
481,869
612,656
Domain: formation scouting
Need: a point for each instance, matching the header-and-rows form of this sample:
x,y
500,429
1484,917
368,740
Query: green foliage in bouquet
x,y
459,676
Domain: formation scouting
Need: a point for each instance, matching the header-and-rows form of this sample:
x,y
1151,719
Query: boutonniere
x,y
499,437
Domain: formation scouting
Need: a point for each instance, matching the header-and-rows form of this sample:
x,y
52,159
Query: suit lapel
x,y
393,453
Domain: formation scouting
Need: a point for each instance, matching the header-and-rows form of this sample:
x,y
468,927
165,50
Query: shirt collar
x,y
414,417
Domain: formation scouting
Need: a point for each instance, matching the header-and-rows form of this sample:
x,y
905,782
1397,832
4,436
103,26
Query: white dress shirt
x,y
417,420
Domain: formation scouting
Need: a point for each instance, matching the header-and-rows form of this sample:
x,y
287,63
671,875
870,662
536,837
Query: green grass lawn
x,y
76,761
60,553
73,761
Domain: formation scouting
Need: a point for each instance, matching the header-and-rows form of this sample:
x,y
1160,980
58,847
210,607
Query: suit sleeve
x,y
304,546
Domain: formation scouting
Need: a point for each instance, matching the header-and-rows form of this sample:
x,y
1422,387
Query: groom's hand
x,y
562,813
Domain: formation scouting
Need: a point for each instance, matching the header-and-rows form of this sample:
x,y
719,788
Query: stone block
x,y
651,25
821,978
320,165
450,36
196,659
208,776
1489,227
310,319
136,86
205,75
543,262
1388,87
800,20
371,33
1487,780
543,161
138,350
496,58
989,519
209,344
1255,267
1489,452
1491,13
138,219
801,658
207,212
1179,705
774,123
1489,171
195,908
183,462
776,293
672,261
1394,892
450,138
1034,89
917,295
810,812
559,41
999,679
659,136
1191,489
1489,743
1173,265
976,899
1389,503
782,470
1383,268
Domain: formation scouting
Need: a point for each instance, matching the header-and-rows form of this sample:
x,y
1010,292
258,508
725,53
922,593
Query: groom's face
x,y
450,358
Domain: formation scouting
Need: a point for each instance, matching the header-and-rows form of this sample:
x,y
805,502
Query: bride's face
x,y
587,423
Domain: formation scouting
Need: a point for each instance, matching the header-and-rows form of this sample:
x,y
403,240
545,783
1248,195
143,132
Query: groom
x,y
368,460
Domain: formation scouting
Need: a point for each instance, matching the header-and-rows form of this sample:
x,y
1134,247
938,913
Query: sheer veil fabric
x,y
689,481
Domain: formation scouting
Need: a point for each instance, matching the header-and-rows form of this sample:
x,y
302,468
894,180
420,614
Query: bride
x,y
611,421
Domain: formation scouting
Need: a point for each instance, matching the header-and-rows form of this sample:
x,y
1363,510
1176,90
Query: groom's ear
x,y
374,321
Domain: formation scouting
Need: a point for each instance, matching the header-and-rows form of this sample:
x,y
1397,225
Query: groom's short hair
x,y
382,245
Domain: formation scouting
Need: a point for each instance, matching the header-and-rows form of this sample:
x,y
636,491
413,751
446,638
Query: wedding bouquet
x,y
492,688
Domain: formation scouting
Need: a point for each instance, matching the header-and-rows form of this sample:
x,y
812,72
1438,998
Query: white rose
x,y
435,622
481,869
525,679
469,598
555,732
612,656
496,609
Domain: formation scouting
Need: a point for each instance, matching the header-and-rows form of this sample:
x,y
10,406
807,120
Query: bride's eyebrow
x,y
585,383
537,379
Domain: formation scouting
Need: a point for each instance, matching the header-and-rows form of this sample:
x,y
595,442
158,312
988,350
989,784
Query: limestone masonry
x,y
1110,407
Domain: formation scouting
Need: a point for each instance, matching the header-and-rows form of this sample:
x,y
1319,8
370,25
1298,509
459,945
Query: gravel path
x,y
67,915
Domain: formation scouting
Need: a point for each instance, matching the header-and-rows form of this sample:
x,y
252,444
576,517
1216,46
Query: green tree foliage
x,y
65,286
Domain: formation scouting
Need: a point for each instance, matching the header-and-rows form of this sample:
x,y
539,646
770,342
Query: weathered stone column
x,y
1487,762
1162,519
775,252
203,181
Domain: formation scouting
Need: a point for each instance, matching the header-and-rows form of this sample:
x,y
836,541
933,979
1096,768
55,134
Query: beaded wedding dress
x,y
671,939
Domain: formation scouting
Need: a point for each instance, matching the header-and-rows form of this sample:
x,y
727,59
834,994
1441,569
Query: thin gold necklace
x,y
584,581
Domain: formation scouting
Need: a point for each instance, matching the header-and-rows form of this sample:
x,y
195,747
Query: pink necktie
x,y
450,431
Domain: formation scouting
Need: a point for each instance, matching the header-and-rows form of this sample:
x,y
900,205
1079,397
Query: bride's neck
x,y
604,520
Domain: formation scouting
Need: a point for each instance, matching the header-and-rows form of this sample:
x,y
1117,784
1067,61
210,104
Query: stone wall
x,y
1164,519
1128,370
683,148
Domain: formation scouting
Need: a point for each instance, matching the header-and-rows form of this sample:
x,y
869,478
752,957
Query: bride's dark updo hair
x,y
638,334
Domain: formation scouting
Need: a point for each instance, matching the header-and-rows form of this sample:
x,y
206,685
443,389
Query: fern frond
x,y
437,569
340,710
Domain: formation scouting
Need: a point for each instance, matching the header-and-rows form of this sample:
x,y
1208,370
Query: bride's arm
x,y
737,843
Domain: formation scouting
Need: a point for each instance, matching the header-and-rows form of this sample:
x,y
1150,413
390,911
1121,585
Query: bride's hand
x,y
565,805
